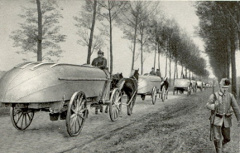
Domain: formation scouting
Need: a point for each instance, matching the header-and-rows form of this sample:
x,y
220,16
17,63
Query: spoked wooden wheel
x,y
21,117
76,113
154,95
163,94
115,104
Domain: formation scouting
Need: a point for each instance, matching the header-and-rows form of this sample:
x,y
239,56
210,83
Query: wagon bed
x,y
61,89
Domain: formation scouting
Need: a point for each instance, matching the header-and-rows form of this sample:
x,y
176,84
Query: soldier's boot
x,y
218,147
225,147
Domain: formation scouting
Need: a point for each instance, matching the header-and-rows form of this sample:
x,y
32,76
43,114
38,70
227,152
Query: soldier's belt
x,y
221,115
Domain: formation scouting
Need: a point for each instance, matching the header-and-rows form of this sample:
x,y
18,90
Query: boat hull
x,y
49,82
146,83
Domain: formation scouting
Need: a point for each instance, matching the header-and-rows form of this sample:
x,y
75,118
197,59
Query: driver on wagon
x,y
100,61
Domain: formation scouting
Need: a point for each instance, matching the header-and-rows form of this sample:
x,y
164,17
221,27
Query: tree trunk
x,y
228,57
186,73
39,42
182,71
134,42
175,71
170,70
158,56
233,63
141,53
91,32
166,66
111,47
155,55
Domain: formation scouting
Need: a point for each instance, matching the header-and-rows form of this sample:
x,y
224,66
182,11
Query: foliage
x,y
27,36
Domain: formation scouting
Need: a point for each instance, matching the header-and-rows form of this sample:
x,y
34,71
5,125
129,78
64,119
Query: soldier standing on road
x,y
222,104
100,61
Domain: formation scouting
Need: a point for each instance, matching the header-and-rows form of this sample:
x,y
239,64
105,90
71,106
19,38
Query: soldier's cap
x,y
100,52
225,82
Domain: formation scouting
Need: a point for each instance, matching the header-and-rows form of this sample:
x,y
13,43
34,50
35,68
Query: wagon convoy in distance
x,y
64,90
61,89
149,85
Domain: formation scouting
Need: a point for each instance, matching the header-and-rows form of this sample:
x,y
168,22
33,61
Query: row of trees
x,y
220,29
142,23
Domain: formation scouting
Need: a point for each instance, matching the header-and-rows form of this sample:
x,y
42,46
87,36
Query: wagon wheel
x,y
21,117
163,94
115,104
76,113
154,95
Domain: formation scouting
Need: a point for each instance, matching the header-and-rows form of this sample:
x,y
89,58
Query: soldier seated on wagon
x,y
153,71
100,61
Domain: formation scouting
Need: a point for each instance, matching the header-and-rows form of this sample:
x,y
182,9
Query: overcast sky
x,y
182,11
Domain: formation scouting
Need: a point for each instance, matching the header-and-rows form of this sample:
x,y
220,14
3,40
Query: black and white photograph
x,y
119,76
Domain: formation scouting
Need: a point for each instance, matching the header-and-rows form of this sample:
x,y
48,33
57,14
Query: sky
x,y
182,11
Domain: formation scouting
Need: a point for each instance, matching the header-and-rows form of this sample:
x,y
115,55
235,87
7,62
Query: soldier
x,y
222,104
153,71
100,61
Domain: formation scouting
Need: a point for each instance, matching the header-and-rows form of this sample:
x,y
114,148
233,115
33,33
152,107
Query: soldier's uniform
x,y
224,104
153,72
100,62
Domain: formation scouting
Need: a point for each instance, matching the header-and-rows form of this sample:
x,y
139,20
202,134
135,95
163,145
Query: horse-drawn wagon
x,y
61,89
182,85
149,85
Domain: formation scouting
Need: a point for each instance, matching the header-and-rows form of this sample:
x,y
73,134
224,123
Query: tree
x,y
221,38
86,27
39,33
111,12
131,19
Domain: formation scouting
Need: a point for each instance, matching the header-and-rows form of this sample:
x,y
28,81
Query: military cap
x,y
100,52
225,82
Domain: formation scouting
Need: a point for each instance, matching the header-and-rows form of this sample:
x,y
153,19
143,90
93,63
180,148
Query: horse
x,y
116,80
130,88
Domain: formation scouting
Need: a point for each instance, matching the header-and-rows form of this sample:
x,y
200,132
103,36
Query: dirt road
x,y
178,125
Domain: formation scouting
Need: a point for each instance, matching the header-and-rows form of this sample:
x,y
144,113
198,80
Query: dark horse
x,y
128,86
